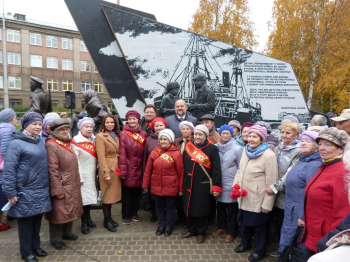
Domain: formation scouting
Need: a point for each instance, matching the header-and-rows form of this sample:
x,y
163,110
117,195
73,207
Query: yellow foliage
x,y
225,20
313,35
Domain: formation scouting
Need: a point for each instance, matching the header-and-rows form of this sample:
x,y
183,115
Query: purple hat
x,y
132,113
264,124
29,118
47,121
247,124
260,130
85,120
310,135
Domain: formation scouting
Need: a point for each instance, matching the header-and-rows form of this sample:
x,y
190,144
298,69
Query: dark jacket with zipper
x,y
26,171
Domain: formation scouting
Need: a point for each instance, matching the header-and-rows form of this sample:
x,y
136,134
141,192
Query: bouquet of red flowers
x,y
236,193
117,171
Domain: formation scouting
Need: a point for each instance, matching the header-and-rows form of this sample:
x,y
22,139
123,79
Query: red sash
x,y
210,142
86,146
167,158
65,145
197,154
136,137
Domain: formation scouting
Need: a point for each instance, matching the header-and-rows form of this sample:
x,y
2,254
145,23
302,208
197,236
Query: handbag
x,y
145,201
291,253
210,180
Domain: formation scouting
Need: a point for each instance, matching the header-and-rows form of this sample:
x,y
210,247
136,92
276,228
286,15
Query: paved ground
x,y
136,242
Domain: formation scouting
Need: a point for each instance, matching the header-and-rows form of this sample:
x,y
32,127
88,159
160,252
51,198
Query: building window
x,y
52,62
13,36
83,46
1,83
15,82
67,64
85,86
67,43
67,85
35,39
52,84
14,58
51,41
111,105
85,66
0,56
15,102
98,87
0,34
36,61
54,103
95,69
83,105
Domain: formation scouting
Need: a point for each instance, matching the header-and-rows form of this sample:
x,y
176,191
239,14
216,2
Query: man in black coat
x,y
74,122
200,155
180,115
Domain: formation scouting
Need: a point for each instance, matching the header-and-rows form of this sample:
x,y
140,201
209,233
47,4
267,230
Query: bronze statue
x,y
167,104
41,102
95,108
203,101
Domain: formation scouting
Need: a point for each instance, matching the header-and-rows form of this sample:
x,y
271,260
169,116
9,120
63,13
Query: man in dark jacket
x,y
74,122
180,115
204,98
150,112
168,101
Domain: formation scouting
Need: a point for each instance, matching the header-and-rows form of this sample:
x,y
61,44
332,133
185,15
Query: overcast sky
x,y
173,12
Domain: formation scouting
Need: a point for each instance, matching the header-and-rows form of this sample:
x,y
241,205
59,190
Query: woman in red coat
x,y
326,200
165,173
132,144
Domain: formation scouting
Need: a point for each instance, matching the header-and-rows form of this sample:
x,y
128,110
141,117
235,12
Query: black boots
x,y
107,223
86,222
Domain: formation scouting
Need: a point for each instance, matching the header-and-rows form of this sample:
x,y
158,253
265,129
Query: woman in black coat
x,y
199,154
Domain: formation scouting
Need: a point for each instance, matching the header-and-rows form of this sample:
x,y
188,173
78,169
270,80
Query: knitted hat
x,y
85,120
289,118
29,118
52,114
186,123
59,123
7,115
266,125
47,121
226,127
309,135
236,124
132,113
247,124
63,113
203,129
334,135
260,130
158,119
168,134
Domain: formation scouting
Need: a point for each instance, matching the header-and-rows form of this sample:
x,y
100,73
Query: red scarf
x,y
137,138
197,154
86,146
65,145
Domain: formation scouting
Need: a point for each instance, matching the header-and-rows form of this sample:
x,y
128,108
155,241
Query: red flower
x,y
235,194
117,171
244,193
236,186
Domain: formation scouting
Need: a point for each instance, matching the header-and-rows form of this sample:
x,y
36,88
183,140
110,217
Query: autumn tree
x,y
313,35
225,20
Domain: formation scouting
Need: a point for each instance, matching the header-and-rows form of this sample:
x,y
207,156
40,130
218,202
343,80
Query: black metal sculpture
x,y
41,102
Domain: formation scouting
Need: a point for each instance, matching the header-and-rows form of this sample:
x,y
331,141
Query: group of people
x,y
242,174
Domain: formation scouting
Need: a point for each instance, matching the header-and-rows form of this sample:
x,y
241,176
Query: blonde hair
x,y
293,126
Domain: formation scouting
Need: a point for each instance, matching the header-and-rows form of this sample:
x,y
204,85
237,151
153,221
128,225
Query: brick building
x,y
54,53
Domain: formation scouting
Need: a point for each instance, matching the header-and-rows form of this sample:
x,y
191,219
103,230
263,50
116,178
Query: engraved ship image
x,y
231,97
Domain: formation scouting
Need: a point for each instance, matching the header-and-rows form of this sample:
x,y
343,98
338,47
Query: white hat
x,y
345,115
168,134
52,114
203,129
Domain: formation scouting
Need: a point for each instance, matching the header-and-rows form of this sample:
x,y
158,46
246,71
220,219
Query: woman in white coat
x,y
84,147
